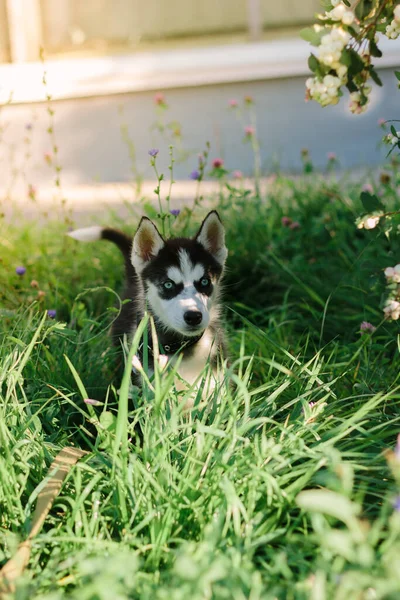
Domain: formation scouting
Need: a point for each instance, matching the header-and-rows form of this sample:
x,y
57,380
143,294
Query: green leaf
x,y
374,50
351,86
313,63
393,131
108,420
310,35
328,503
397,73
374,76
353,61
370,202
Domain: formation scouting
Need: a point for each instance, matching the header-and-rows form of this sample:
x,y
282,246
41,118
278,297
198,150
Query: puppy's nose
x,y
193,317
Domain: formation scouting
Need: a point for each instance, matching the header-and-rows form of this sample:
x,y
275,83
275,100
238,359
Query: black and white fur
x,y
177,281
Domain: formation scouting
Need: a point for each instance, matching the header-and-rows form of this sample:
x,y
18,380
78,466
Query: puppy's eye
x,y
168,285
204,282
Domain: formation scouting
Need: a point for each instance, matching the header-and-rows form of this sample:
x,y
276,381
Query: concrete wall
x,y
91,148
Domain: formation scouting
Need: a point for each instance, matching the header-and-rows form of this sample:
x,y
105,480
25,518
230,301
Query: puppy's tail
x,y
120,239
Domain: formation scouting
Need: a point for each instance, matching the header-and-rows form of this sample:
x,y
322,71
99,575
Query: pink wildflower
x,y
237,175
217,163
233,103
367,187
92,402
286,221
295,225
159,99
366,327
249,131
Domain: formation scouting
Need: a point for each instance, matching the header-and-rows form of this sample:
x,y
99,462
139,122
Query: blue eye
x,y
205,282
168,285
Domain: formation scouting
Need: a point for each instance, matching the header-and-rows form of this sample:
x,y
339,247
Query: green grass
x,y
279,487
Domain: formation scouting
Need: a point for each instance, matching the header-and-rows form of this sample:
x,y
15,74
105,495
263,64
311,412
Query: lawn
x,y
285,485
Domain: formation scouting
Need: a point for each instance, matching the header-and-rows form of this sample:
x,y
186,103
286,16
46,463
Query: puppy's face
x,y
180,276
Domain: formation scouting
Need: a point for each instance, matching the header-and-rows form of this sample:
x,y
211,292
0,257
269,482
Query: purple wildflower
x,y
52,313
175,212
195,175
366,327
153,152
20,271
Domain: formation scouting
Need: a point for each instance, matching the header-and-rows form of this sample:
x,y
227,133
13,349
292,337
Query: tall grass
x,y
279,487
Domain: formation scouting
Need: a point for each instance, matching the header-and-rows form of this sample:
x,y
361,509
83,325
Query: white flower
x,y
392,310
393,274
393,29
342,73
335,2
396,13
348,17
355,96
371,222
338,12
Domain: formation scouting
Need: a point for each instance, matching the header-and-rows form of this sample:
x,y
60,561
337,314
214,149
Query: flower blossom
x,y
392,274
52,313
217,163
366,327
195,175
369,222
237,174
392,310
92,402
294,225
175,212
153,152
159,99
249,131
20,271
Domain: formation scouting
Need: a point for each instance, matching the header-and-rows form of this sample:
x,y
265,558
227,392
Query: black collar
x,y
172,344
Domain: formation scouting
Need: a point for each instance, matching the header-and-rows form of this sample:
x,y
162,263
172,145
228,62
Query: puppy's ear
x,y
147,243
211,235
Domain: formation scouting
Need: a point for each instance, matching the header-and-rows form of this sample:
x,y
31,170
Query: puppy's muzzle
x,y
193,318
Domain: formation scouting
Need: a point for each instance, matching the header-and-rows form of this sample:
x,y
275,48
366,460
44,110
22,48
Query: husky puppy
x,y
177,282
